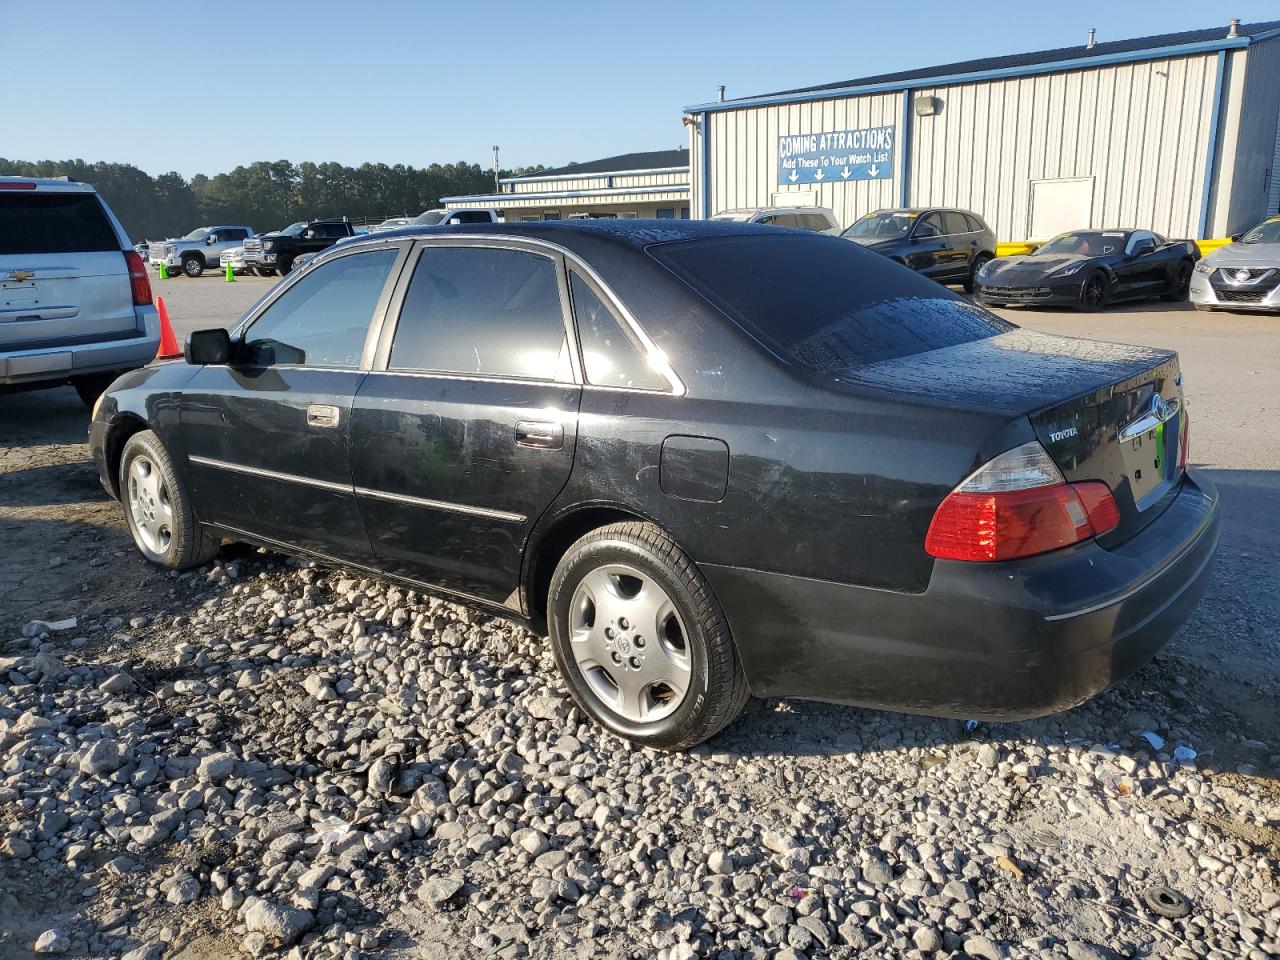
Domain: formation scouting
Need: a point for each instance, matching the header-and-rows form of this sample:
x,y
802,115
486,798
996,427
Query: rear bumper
x,y
987,641
57,364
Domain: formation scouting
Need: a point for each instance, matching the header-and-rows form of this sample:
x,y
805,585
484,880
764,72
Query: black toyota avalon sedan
x,y
710,460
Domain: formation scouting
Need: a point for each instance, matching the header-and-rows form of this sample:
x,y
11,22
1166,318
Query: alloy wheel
x,y
1094,292
149,506
630,643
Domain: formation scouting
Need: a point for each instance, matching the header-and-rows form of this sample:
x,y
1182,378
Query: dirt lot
x,y
904,836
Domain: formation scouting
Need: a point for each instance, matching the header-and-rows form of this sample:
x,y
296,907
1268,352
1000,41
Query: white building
x,y
1175,133
635,185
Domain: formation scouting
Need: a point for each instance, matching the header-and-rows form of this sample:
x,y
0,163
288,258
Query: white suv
x,y
819,219
75,300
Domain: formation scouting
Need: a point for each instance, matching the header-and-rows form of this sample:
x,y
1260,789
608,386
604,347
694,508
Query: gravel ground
x,y
264,757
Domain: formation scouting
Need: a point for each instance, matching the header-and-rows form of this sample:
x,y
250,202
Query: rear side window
x,y
609,356
322,320
975,225
36,222
483,311
955,222
824,303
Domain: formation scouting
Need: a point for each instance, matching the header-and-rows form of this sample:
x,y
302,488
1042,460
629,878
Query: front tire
x,y
640,639
1181,284
1094,293
192,266
157,507
264,272
980,261
284,265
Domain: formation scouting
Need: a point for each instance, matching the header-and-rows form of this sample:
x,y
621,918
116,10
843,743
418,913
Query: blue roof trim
x,y
504,199
1055,66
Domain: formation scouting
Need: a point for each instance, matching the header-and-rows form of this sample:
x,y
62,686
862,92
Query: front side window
x,y
483,311
322,320
609,357
930,225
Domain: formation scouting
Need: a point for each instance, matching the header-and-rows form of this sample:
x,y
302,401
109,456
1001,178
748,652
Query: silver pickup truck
x,y
198,250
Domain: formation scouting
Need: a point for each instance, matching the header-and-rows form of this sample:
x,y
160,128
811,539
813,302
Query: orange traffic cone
x,y
169,349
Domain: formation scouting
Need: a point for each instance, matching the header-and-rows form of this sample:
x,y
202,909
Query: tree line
x,y
265,195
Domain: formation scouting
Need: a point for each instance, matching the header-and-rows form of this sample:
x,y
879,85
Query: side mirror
x,y
1235,237
208,347
308,234
211,239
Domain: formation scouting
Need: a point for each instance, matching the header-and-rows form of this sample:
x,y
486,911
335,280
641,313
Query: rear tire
x,y
980,261
1181,284
157,507
92,386
1094,293
192,265
640,639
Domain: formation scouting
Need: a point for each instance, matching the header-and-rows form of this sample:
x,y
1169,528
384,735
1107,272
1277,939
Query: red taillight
x,y
1007,522
138,278
16,185
1184,442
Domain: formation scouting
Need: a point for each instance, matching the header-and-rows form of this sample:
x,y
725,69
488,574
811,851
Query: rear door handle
x,y
322,415
544,434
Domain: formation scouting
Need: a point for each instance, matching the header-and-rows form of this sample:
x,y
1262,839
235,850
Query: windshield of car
x,y
1084,243
430,217
199,234
293,229
882,225
1266,232
823,303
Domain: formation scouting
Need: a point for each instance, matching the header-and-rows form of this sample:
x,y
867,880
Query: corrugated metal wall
x,y
1141,130
1247,173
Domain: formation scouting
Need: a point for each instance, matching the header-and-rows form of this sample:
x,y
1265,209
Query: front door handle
x,y
544,434
322,415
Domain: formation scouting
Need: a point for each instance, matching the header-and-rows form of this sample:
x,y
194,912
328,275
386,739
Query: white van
x,y
75,300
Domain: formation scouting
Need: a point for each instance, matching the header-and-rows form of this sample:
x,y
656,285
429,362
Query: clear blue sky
x,y
203,87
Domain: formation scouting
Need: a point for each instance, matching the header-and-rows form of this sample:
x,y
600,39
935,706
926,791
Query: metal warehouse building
x,y
1175,133
635,185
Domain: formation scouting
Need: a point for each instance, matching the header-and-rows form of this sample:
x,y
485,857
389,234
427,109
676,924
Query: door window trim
x,y
641,350
375,322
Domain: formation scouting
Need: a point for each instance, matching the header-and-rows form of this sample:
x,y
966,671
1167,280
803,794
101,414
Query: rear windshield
x,y
32,222
825,303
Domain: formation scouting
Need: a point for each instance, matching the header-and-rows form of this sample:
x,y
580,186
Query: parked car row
x,y
1085,269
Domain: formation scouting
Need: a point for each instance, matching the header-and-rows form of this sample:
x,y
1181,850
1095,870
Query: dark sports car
x,y
1089,269
709,459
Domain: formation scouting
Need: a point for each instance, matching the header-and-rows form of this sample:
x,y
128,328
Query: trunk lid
x,y
63,275
1103,411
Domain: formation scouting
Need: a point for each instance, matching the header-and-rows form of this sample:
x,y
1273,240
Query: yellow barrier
x,y
1012,249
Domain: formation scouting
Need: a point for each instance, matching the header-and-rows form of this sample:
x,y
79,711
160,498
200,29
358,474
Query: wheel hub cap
x,y
149,506
630,643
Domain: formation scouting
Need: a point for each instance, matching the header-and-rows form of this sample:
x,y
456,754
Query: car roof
x,y
636,234
55,184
